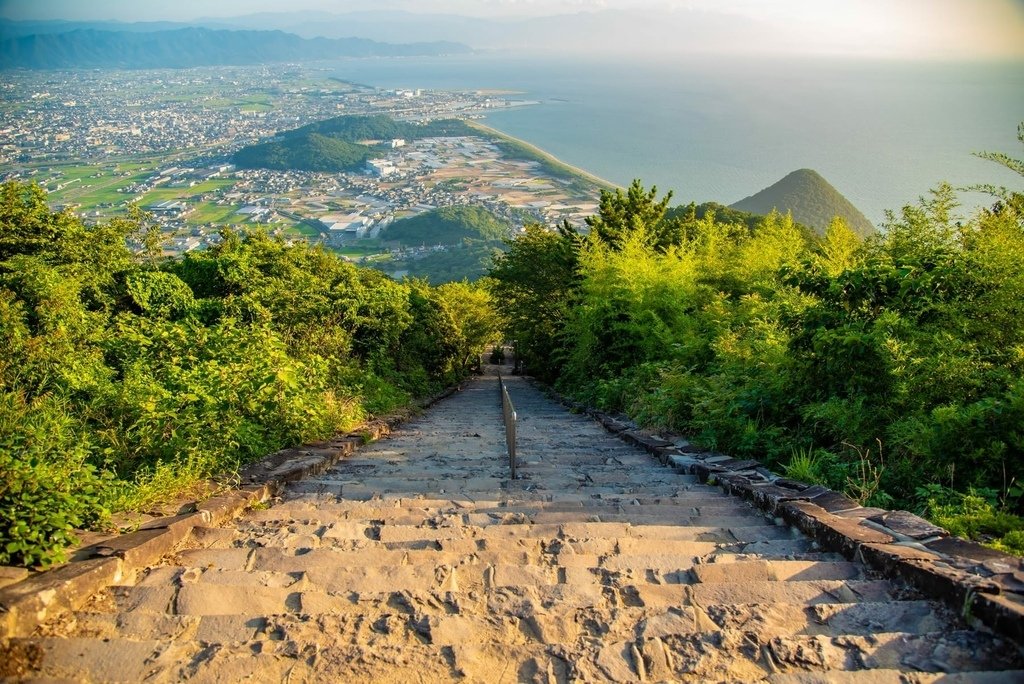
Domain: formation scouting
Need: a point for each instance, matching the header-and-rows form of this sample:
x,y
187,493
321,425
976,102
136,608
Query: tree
x,y
478,322
1009,198
838,248
620,214
533,285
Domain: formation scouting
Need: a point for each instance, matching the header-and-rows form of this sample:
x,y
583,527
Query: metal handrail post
x,y
508,413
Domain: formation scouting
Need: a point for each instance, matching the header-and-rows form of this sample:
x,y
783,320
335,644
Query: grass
x,y
165,194
303,229
208,212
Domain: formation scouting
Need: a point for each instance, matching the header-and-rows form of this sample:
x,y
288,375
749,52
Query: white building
x,y
380,167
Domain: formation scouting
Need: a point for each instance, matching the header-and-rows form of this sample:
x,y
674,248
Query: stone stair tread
x,y
807,593
776,570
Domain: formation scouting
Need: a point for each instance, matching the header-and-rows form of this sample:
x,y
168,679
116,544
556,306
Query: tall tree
x,y
621,214
533,285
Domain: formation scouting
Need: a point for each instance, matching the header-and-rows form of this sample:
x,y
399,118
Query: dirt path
x,y
418,561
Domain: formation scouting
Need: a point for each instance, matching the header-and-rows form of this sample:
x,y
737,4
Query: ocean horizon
x,y
720,129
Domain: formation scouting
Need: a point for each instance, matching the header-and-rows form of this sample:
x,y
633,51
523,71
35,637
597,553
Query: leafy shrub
x,y
122,390
47,487
975,514
756,339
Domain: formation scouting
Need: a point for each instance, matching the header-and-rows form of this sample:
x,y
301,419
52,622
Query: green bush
x,y
760,340
129,382
47,487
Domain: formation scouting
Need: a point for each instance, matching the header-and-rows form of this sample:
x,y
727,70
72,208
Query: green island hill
x,y
811,199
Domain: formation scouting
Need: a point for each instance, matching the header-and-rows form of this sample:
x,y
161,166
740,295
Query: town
x,y
101,141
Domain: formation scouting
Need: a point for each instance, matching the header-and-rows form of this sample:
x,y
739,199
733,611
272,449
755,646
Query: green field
x,y
257,102
208,212
165,194
303,229
91,192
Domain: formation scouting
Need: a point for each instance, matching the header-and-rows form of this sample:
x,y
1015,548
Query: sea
x,y
719,129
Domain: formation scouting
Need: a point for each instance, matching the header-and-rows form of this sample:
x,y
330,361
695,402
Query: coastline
x,y
553,163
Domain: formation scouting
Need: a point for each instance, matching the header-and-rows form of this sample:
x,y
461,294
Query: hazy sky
x,y
924,28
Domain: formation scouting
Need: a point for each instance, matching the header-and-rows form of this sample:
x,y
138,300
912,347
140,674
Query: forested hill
x,y
336,144
811,199
448,226
191,47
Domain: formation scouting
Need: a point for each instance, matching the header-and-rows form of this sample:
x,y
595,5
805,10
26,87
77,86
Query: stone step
x,y
718,656
934,652
300,511
547,623
775,571
470,574
808,593
782,619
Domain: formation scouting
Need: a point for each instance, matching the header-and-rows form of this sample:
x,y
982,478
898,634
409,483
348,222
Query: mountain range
x,y
191,47
616,31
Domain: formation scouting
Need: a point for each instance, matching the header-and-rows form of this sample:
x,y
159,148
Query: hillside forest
x,y
889,367
127,380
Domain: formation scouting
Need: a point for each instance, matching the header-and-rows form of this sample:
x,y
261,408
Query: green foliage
x,y
310,152
975,514
380,127
448,226
805,465
635,211
761,340
473,310
533,286
160,295
468,260
48,488
126,383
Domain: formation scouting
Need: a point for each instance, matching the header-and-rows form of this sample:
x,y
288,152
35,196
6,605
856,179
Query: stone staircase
x,y
417,560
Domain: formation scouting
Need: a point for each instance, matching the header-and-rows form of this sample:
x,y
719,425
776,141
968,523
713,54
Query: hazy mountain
x,y
616,31
189,47
812,200
11,28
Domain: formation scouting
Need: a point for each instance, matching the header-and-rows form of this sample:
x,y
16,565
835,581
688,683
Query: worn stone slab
x,y
833,501
954,546
211,599
48,595
843,534
908,525
9,575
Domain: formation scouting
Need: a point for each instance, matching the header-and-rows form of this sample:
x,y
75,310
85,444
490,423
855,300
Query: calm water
x,y
718,129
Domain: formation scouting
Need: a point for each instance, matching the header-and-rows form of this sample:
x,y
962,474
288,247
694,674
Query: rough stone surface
x,y
417,559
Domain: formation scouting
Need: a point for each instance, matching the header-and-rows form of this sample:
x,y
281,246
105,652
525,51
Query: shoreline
x,y
546,158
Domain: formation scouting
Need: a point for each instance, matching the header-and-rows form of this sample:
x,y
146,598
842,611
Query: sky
x,y
908,28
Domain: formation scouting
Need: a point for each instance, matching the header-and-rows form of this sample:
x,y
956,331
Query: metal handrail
x,y
508,412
